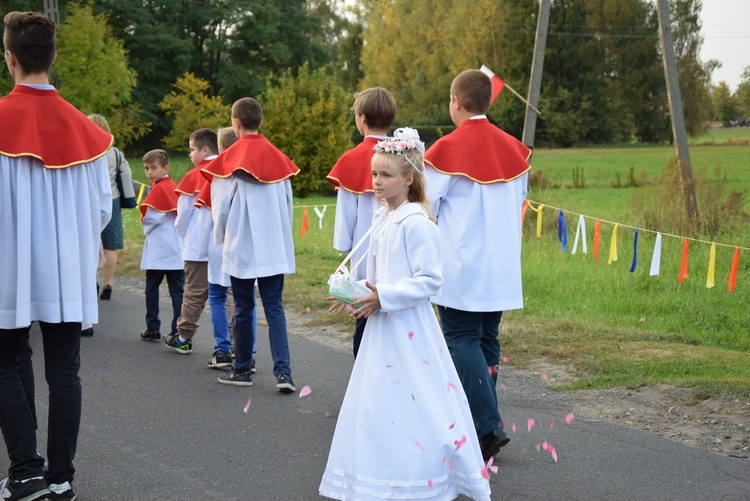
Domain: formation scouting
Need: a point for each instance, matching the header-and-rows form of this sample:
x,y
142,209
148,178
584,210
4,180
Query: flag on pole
x,y
305,224
497,82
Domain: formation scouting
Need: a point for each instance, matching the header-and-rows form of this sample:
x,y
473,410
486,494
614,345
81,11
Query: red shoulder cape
x,y
352,171
254,154
161,198
40,124
204,197
193,180
481,152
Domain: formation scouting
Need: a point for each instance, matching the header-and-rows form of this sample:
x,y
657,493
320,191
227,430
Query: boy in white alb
x,y
194,231
476,184
252,210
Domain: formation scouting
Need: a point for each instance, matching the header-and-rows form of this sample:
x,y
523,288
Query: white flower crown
x,y
404,140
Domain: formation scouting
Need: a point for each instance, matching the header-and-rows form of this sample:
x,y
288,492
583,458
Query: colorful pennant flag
x,y
320,214
711,267
613,246
581,230
562,231
635,252
305,225
733,271
539,220
497,82
684,263
597,237
656,257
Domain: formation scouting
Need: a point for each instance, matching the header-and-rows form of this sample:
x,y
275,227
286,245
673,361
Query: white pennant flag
x,y
580,230
320,215
656,258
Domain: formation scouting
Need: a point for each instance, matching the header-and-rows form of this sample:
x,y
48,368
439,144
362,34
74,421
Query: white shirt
x,y
354,215
162,249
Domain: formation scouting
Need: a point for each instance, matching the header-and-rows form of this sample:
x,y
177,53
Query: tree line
x,y
603,76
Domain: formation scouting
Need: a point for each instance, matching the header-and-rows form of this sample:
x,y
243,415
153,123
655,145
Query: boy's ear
x,y
166,167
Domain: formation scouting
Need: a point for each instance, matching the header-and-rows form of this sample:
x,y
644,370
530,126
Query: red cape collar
x,y
254,154
193,180
481,152
353,171
204,197
161,198
39,123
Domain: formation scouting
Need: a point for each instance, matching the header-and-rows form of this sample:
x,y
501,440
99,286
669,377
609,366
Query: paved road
x,y
158,426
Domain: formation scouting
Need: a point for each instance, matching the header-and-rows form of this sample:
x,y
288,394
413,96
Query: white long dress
x,y
405,429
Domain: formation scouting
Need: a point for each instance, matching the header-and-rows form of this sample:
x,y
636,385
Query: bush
x,y
307,117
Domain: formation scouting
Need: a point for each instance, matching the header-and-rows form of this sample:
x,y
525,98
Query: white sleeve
x,y
438,185
185,210
222,191
346,220
152,219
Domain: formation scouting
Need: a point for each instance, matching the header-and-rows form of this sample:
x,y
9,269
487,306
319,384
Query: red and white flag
x,y
497,82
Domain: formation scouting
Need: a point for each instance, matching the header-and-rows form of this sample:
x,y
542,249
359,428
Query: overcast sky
x,y
726,37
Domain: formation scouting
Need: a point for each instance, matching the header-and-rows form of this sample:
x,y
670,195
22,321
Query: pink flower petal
x,y
485,473
247,405
553,452
305,392
544,376
388,366
505,360
513,427
411,335
425,362
459,443
451,385
545,446
429,483
440,350
327,415
419,445
552,424
569,419
452,425
493,469
530,423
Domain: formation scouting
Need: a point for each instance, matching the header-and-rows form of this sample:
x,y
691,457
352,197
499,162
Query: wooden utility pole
x,y
537,64
675,107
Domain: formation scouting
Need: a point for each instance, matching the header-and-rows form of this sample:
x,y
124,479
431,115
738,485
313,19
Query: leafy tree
x,y
742,96
341,35
307,118
723,103
192,109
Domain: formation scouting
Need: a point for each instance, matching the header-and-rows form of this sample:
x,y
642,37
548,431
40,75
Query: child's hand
x,y
338,305
368,304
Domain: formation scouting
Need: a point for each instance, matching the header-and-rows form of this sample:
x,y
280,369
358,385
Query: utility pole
x,y
50,9
537,64
675,107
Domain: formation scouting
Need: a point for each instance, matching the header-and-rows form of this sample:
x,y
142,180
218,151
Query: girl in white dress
x,y
405,429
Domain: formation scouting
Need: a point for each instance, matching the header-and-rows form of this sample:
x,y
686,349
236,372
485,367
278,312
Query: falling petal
x,y
569,419
505,360
305,392
247,405
530,423
411,335
425,362
490,467
493,469
544,376
459,443
327,415
545,446
553,452
451,426
485,473
419,445
429,483
388,366
451,385
552,424
513,427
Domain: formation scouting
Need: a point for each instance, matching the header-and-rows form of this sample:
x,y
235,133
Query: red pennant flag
x,y
497,82
733,272
684,264
305,225
597,236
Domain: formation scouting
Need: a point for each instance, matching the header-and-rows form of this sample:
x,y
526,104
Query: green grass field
x,y
608,326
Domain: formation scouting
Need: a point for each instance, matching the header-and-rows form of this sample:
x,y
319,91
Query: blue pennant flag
x,y
562,231
635,252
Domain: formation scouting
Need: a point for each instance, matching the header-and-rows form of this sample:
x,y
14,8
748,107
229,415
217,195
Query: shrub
x,y
307,117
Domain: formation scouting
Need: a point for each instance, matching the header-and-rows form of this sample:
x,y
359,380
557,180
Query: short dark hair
x,y
31,37
249,112
377,105
474,89
205,137
159,156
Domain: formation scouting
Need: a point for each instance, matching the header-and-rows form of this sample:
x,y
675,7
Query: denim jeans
x,y
472,338
271,289
217,302
175,282
62,362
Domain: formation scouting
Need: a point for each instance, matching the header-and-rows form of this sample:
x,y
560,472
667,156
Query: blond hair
x,y
226,137
410,163
100,121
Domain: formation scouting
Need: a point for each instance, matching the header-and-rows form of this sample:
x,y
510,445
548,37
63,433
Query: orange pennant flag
x,y
684,264
523,213
305,225
733,271
597,236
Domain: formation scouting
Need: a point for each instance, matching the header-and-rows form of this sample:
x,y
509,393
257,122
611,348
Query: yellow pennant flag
x,y
613,246
711,267
539,220
140,193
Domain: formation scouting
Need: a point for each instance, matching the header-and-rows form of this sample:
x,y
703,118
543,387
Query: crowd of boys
x,y
223,229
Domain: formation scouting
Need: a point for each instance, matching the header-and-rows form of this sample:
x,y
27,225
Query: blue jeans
x,y
472,338
271,289
217,302
62,362
176,283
